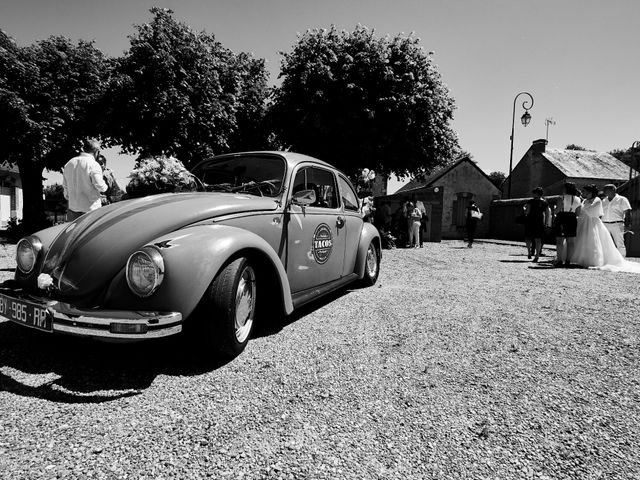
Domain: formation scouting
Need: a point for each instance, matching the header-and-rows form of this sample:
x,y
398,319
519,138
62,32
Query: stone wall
x,y
465,179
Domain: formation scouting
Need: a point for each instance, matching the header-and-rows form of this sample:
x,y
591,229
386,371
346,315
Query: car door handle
x,y
340,221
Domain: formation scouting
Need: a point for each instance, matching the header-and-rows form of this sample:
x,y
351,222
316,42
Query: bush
x,y
161,174
15,229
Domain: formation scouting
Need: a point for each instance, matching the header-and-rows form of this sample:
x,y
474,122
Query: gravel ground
x,y
458,364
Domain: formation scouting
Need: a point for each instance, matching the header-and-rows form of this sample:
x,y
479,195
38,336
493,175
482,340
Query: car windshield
x,y
256,174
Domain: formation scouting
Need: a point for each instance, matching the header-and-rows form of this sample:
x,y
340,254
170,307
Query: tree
x,y
48,95
54,193
467,154
497,178
179,92
573,146
630,156
358,101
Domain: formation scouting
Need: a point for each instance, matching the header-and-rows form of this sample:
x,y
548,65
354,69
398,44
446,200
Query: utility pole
x,y
549,121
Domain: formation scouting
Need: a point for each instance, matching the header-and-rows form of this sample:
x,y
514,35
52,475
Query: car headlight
x,y
145,271
27,253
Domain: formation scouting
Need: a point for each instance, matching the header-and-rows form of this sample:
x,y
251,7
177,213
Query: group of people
x,y
407,225
87,182
589,230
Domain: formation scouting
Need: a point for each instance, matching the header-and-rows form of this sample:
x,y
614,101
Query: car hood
x,y
95,247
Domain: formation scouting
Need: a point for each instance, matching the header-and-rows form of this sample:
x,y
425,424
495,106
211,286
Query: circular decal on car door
x,y
322,243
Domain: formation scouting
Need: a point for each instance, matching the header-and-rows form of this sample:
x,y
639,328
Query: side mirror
x,y
304,198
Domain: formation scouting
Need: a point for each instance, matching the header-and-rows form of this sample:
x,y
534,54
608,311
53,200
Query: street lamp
x,y
525,119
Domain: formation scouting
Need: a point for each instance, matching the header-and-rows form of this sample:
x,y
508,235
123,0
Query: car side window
x,y
321,181
349,197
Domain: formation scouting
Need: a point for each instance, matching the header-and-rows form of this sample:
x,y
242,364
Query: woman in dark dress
x,y
537,214
473,216
565,224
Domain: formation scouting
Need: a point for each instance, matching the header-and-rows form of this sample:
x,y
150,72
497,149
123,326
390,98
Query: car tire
x,y
371,266
227,312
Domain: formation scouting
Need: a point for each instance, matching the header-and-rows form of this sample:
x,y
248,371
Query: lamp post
x,y
525,119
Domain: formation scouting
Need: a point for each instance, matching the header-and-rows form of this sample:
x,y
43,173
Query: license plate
x,y
25,313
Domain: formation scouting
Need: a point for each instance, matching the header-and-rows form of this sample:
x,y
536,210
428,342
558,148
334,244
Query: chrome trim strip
x,y
95,323
90,332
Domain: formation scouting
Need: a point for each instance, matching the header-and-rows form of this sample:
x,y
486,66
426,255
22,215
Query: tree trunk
x,y
33,215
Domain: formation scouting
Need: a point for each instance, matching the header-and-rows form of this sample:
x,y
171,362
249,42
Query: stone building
x,y
550,168
10,194
446,194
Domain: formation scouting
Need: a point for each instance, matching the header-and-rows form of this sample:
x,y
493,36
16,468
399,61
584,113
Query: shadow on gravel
x,y
277,325
75,370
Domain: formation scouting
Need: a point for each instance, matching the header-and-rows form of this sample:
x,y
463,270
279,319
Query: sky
x,y
578,58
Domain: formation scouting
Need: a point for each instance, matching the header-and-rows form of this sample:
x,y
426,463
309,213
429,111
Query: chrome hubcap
x,y
372,261
245,304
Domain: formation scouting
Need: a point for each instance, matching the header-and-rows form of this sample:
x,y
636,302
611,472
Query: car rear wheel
x,y
229,307
371,266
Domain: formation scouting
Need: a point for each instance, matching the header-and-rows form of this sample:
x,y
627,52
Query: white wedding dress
x,y
594,247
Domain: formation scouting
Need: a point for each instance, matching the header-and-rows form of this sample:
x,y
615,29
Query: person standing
x,y
423,220
617,216
386,216
82,181
594,244
536,217
566,223
414,225
473,217
114,192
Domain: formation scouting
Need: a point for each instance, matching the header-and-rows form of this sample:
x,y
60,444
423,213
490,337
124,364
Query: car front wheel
x,y
371,266
229,307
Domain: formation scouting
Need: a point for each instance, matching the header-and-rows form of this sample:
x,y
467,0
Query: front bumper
x,y
104,324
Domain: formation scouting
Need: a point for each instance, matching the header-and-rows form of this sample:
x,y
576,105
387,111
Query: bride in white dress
x,y
594,247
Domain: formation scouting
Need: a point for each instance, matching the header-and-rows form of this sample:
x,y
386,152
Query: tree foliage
x,y
497,178
629,156
573,146
54,193
180,92
357,101
48,94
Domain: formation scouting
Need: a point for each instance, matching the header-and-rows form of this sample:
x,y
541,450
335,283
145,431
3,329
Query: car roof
x,y
291,158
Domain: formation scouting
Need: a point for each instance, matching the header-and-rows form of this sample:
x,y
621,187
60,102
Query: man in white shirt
x,y
617,216
83,181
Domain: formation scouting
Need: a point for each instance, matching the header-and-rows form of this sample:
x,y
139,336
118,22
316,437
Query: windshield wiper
x,y
252,185
218,187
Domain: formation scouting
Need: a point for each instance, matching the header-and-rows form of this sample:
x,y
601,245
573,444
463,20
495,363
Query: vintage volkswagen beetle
x,y
270,232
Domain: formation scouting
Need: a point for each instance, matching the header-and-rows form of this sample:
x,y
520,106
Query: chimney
x,y
539,146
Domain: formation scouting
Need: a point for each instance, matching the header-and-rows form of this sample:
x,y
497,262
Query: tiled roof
x,y
415,184
585,164
435,176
